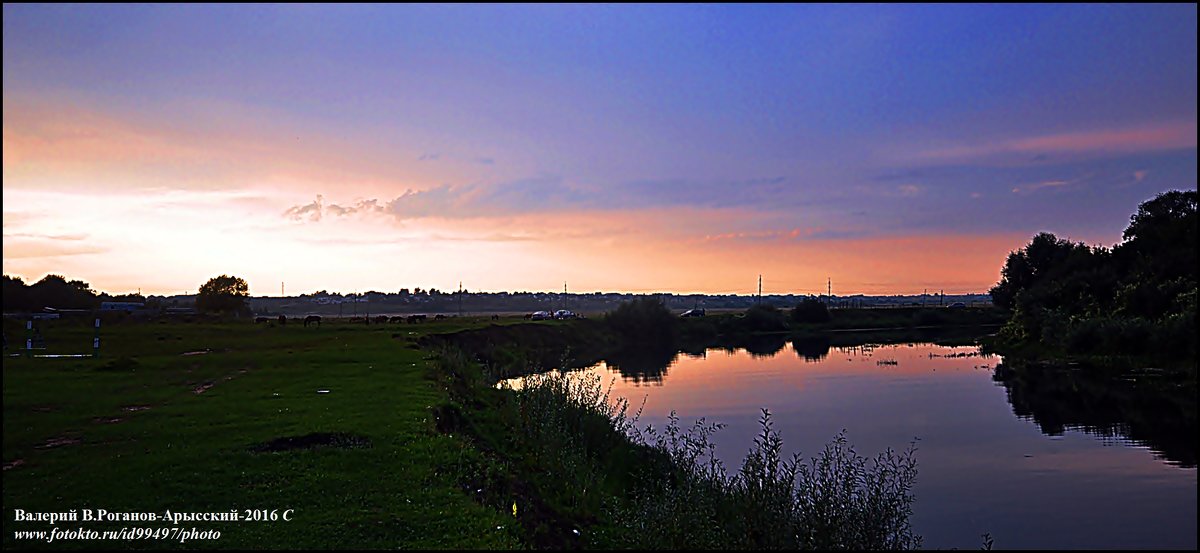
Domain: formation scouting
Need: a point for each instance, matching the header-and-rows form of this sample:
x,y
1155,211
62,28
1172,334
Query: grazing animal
x,y
416,318
439,317
312,319
261,320
495,317
528,316
282,320
396,320
381,319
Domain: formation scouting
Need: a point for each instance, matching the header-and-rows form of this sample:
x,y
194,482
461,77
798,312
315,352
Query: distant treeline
x,y
641,337
1137,298
57,292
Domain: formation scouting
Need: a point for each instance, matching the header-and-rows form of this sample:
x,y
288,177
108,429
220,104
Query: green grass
x,y
189,451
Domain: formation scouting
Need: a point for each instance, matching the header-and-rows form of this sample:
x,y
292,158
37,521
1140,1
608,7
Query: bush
x,y
837,500
810,310
644,320
764,318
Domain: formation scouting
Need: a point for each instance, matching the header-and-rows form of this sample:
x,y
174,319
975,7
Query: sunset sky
x,y
617,148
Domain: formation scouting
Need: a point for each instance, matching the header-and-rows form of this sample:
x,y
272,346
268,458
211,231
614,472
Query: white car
x,y
540,315
564,314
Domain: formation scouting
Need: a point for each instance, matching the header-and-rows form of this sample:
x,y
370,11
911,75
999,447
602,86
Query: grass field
x,y
366,436
151,426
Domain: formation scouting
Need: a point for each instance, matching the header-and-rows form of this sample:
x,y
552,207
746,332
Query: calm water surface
x,y
1083,465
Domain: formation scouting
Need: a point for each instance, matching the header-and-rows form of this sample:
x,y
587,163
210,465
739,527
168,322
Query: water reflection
x,y
1029,480
1150,410
811,348
642,365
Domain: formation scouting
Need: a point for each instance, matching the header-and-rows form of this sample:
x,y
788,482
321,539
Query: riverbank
x,y
372,436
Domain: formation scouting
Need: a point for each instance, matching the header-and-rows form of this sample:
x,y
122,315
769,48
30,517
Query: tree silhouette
x,y
224,294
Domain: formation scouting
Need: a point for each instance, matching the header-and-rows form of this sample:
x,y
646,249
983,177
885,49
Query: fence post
x,y
29,338
96,340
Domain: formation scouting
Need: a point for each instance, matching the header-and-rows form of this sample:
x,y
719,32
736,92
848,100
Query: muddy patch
x,y
107,420
13,464
313,441
43,409
57,442
208,385
135,408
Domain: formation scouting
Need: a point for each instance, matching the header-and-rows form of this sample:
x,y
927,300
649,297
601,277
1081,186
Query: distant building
x,y
126,306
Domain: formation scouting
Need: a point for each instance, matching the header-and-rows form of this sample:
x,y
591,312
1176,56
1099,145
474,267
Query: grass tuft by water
x,y
679,494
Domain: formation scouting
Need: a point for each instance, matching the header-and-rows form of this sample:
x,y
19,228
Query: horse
x,y
416,318
261,320
396,319
282,320
381,319
312,319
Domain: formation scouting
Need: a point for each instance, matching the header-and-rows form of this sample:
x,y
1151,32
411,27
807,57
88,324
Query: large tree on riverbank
x,y
1138,297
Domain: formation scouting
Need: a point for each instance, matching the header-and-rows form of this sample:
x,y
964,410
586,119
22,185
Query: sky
x,y
889,148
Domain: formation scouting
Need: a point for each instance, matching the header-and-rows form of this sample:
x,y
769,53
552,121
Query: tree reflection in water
x,y
1151,409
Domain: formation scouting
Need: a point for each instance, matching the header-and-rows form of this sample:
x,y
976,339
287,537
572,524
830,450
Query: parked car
x,y
565,314
693,313
957,305
540,315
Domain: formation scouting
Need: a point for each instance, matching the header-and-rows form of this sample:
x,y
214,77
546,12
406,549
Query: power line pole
x,y
828,290
759,288
460,295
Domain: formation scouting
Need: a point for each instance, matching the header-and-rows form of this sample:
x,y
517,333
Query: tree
x,y
811,310
644,320
1031,264
224,294
17,296
55,291
1160,243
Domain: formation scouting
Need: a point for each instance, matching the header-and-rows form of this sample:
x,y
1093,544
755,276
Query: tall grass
x,y
681,496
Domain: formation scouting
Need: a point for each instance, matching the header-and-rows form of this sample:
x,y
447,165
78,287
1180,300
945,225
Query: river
x,y
1047,459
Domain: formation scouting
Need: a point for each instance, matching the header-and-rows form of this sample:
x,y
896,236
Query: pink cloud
x,y
1143,138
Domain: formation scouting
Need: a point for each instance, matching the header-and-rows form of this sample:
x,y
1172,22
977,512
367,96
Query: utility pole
x,y
460,295
829,290
759,288
281,294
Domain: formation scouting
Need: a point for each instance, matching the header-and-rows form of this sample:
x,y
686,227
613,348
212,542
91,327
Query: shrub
x,y
644,320
764,318
810,310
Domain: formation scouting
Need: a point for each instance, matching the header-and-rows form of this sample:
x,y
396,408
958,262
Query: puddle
x,y
57,442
